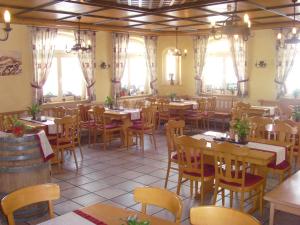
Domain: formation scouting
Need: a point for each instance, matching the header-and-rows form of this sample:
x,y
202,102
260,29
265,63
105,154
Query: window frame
x,y
165,77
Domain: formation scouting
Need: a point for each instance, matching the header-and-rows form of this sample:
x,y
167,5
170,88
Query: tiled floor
x,y
110,177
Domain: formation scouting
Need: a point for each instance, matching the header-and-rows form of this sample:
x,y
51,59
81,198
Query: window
x,y
135,79
65,81
218,71
172,67
292,80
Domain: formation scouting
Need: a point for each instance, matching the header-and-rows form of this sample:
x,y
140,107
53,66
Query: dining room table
x,y
103,214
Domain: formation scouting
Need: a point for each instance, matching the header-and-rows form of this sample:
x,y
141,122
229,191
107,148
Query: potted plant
x,y
172,97
296,93
34,110
109,102
296,113
241,129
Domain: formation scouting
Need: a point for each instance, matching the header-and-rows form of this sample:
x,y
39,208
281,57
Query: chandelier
x,y
292,36
80,45
177,51
7,27
232,26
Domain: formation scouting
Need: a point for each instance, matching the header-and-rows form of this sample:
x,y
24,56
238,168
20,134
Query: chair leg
x,y
74,153
179,184
242,202
223,197
231,198
215,192
104,139
202,193
154,140
80,149
142,141
168,172
191,187
261,200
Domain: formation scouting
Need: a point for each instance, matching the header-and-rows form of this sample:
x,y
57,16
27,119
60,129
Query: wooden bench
x,y
285,197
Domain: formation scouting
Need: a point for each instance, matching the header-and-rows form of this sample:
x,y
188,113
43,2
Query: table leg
x,y
126,123
272,212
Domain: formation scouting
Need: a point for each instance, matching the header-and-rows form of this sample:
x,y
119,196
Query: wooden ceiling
x,y
160,16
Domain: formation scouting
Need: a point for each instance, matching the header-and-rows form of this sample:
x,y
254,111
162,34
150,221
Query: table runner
x,y
74,218
49,123
46,148
135,114
279,151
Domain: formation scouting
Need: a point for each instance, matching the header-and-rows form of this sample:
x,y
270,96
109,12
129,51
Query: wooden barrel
x,y
22,165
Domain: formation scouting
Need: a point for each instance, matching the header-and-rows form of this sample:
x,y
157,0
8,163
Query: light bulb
x,y
279,36
6,16
294,30
213,23
246,18
185,51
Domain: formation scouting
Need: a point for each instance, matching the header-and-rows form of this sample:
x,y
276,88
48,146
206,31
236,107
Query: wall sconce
x,y
104,66
261,64
7,27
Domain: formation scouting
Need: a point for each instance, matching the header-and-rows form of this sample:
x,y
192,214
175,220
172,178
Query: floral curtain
x,y
120,45
200,46
151,50
43,44
285,56
87,61
238,48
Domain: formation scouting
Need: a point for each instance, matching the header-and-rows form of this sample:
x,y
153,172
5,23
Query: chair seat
x,y
87,124
140,126
209,171
55,142
250,180
175,158
282,166
108,126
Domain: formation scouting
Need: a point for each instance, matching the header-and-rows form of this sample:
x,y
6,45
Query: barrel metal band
x,y
36,155
23,168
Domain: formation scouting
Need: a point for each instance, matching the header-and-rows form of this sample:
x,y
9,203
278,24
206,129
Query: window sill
x,y
64,103
134,96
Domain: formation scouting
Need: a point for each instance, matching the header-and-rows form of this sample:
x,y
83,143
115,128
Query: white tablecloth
x,y
279,150
49,123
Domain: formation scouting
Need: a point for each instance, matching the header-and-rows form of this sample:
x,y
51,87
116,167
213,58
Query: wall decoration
x,y
10,63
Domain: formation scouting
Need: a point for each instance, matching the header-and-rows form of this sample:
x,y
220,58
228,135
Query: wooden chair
x,y
214,215
66,136
164,114
59,112
27,196
283,133
161,198
258,124
211,104
173,129
191,163
145,126
231,174
104,125
85,122
126,104
198,115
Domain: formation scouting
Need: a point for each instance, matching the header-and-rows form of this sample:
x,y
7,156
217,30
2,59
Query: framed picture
x,y
10,63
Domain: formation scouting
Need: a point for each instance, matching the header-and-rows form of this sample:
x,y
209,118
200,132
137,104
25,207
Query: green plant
x,y
172,96
296,93
133,220
109,101
296,113
241,128
34,109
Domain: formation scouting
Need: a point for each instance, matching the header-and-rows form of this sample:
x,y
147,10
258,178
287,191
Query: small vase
x,y
243,140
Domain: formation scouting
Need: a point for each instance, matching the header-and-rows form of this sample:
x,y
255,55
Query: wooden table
x,y
261,111
112,215
285,197
181,107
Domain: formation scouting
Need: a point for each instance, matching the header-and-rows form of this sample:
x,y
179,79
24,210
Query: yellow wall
x,y
15,91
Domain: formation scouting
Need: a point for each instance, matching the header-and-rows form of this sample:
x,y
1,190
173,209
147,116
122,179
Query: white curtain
x,y
43,44
120,45
200,46
238,48
87,61
151,50
285,56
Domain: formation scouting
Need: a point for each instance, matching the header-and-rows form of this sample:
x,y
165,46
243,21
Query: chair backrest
x,y
201,104
66,128
84,112
161,198
148,116
211,104
230,163
140,104
98,113
257,124
59,112
174,128
126,104
190,154
27,196
163,105
214,215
